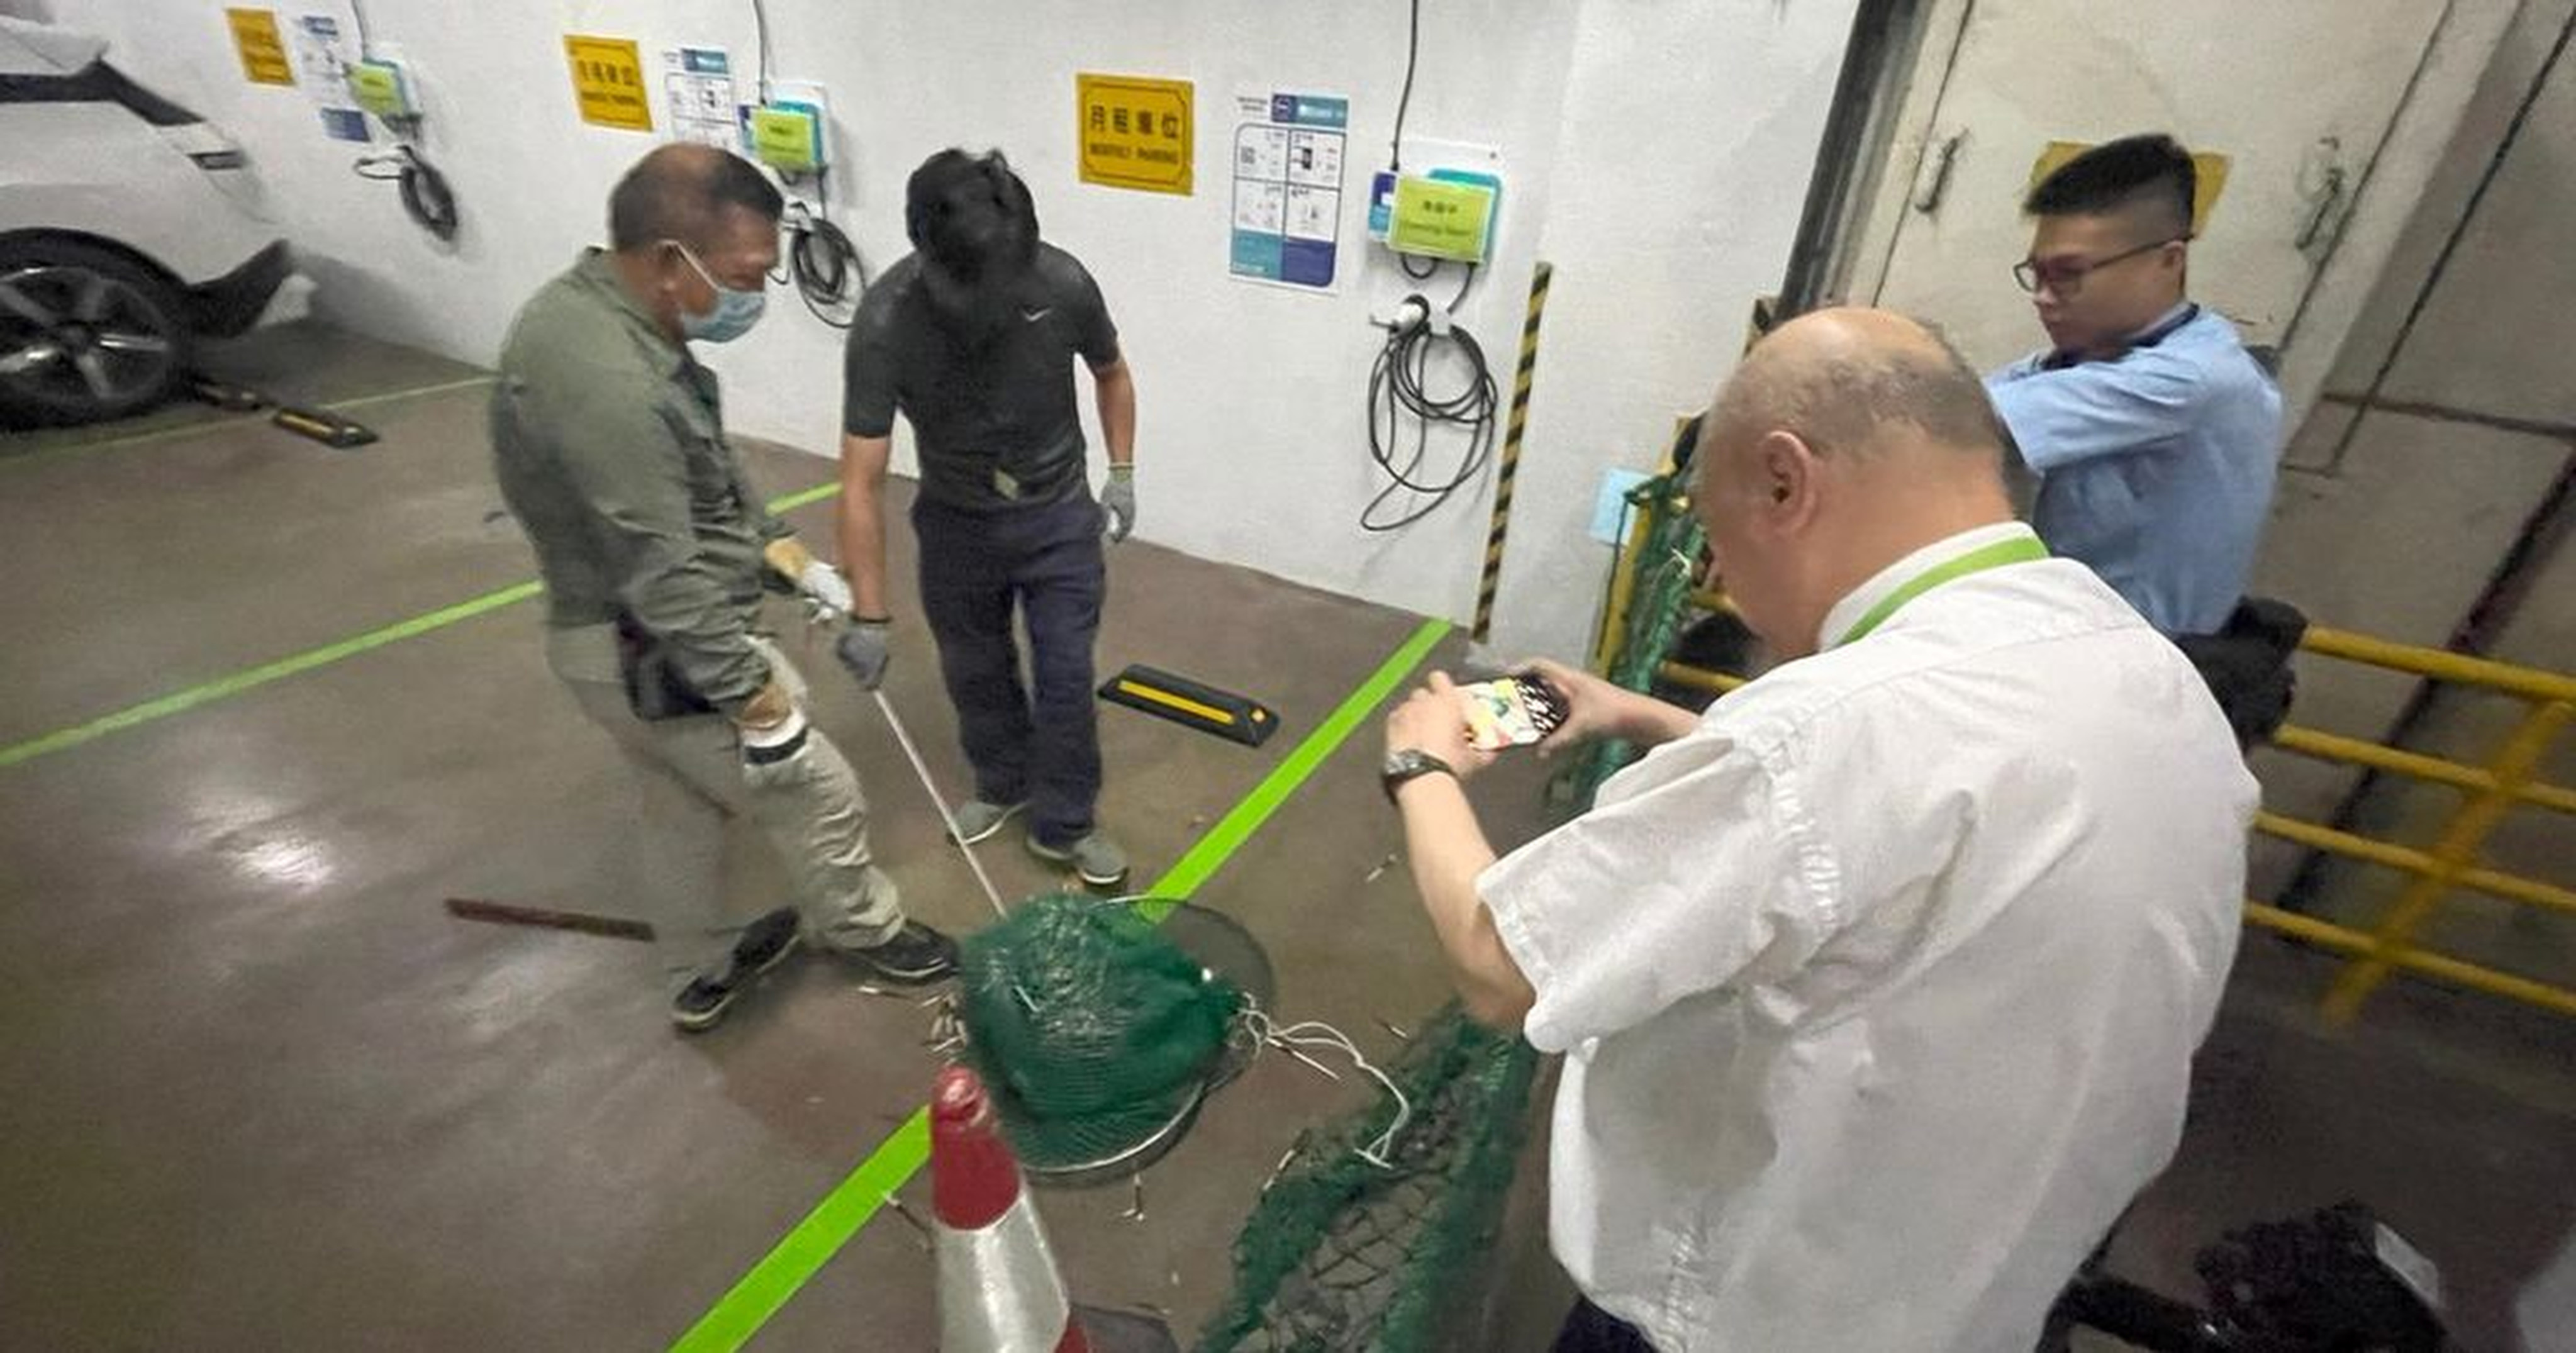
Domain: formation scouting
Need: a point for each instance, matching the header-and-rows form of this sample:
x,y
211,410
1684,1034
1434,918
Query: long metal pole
x,y
922,769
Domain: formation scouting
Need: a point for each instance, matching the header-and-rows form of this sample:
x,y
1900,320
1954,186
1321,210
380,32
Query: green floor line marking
x,y
225,687
61,450
740,1313
216,424
469,383
1238,825
794,501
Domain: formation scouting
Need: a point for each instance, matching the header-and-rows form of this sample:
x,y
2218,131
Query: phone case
x,y
1512,711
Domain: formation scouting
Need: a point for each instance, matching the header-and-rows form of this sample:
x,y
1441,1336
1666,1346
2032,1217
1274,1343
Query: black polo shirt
x,y
995,422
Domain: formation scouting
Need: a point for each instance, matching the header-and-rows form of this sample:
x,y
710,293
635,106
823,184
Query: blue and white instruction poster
x,y
697,91
1288,188
324,51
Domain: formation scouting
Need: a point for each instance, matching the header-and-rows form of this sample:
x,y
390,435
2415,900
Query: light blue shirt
x,y
2156,467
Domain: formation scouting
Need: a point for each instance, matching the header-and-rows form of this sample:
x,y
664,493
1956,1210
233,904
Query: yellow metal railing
x,y
2449,863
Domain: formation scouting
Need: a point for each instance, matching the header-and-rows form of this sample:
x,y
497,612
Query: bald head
x,y
1854,383
686,192
1845,440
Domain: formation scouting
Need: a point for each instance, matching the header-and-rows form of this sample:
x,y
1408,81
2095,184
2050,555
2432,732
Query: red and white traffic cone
x,y
999,1291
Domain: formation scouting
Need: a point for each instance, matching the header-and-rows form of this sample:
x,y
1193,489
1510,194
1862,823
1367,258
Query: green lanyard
x,y
2018,550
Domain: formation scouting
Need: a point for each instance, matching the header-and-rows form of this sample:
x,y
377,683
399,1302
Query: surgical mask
x,y
735,312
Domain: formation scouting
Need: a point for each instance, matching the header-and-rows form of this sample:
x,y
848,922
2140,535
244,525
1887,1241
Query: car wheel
x,y
85,334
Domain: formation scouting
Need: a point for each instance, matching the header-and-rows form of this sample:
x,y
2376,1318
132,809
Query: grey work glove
x,y
1118,501
864,649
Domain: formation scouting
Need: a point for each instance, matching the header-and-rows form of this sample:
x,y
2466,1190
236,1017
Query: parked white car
x,y
129,229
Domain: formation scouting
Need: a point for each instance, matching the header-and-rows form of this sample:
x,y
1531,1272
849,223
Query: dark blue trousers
x,y
1589,1329
1039,741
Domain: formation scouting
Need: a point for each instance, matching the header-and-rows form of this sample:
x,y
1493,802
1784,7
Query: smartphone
x,y
1512,711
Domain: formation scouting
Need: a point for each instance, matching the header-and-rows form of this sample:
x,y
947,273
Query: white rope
x,y
1294,1039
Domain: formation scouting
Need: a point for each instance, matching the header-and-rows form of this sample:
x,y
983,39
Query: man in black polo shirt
x,y
973,337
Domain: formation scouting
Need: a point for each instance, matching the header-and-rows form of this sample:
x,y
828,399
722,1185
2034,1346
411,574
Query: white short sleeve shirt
x,y
1879,989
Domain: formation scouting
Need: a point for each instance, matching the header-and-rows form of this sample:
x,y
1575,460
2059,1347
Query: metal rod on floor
x,y
947,819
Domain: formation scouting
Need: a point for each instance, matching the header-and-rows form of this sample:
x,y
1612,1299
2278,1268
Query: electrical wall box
x,y
1447,214
1381,203
382,87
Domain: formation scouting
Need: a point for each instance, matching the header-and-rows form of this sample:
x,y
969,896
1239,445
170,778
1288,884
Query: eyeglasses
x,y
2068,278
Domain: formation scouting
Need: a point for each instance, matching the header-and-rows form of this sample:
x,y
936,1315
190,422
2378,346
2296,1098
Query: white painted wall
x,y
1656,149
1689,133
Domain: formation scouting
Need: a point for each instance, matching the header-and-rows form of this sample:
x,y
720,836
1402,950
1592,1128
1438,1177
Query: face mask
x,y
735,312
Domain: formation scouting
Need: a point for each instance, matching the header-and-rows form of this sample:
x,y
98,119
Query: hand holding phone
x,y
1511,711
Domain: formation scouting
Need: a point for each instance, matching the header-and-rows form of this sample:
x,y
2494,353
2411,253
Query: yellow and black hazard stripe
x,y
1511,462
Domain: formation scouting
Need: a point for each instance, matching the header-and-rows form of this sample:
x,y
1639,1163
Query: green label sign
x,y
783,138
1442,220
378,87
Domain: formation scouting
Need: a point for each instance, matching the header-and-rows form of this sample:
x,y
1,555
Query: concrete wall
x,y
1655,149
2392,521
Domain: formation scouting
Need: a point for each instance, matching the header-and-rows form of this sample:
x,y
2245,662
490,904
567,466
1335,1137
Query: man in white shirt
x,y
1878,983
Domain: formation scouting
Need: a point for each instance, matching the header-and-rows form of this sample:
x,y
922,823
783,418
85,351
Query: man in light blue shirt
x,y
2155,434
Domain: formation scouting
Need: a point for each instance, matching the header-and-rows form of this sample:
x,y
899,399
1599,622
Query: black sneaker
x,y
915,956
701,1004
763,944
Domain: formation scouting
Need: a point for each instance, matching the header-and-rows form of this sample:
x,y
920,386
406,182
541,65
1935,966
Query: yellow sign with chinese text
x,y
263,52
1134,132
608,82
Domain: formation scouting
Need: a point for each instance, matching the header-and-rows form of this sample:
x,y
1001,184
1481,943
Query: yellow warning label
x,y
2208,167
1134,132
608,82
263,52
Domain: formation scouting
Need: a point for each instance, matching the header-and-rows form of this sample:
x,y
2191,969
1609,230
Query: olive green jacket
x,y
608,440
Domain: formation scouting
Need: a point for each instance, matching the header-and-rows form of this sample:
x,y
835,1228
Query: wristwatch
x,y
1409,763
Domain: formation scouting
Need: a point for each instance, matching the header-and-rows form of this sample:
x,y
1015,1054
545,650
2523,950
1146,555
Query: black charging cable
x,y
824,264
426,196
1399,389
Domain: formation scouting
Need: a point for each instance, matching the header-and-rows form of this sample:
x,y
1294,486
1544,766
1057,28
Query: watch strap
x,y
1409,765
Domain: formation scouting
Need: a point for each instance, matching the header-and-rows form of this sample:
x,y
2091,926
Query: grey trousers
x,y
692,780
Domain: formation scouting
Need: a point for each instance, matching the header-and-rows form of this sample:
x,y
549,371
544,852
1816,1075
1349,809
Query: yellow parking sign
x,y
608,82
1134,132
263,52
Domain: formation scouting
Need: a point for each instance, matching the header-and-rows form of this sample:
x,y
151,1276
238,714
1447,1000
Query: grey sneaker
x,y
978,820
1094,857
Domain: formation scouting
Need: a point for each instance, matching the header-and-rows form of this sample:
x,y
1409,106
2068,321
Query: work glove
x,y
819,583
770,725
1118,501
864,649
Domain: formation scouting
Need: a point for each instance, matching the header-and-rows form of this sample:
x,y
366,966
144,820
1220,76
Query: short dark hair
x,y
679,192
967,213
2151,169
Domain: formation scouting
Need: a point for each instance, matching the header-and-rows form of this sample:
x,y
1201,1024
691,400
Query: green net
x,y
1661,569
1345,1254
1095,1033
